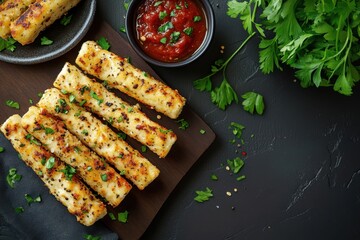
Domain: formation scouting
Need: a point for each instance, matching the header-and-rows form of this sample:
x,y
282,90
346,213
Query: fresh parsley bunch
x,y
317,38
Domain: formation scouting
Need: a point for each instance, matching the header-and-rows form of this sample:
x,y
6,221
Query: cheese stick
x,y
73,194
90,167
117,112
120,74
100,138
9,11
37,17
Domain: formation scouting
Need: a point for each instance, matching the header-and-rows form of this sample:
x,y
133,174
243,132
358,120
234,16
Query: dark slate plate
x,y
24,82
64,37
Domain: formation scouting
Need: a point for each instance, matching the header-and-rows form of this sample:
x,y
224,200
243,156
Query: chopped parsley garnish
x,y
183,124
202,131
13,177
29,199
163,40
96,97
82,103
50,162
240,178
62,108
122,135
69,172
72,98
188,31
162,15
214,177
174,37
143,148
165,131
85,132
104,177
32,139
46,41
203,195
112,216
12,104
122,29
123,216
19,210
91,237
197,19
158,3
2,149
104,44
8,44
164,27
235,164
237,129
49,130
65,20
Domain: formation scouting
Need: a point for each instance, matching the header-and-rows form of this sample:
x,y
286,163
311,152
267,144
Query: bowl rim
x,y
130,32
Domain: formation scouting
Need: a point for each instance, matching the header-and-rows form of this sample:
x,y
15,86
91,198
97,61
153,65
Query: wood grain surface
x,y
24,82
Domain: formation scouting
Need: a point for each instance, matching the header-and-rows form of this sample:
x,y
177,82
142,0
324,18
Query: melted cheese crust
x,y
37,17
73,194
69,149
114,110
100,138
120,74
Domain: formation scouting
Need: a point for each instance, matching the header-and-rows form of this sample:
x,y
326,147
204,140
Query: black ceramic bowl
x,y
131,18
65,37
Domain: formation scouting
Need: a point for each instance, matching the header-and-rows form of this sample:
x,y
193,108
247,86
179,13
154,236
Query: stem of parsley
x,y
225,64
223,95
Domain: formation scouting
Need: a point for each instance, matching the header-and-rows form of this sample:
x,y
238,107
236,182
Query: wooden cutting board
x,y
24,82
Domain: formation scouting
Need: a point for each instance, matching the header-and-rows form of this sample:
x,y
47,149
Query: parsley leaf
x,y
224,95
65,20
91,237
183,124
12,104
237,129
46,41
104,44
29,199
13,177
69,172
235,164
253,101
203,195
123,216
8,44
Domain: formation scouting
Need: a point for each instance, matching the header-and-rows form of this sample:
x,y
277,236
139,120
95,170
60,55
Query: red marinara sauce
x,y
170,30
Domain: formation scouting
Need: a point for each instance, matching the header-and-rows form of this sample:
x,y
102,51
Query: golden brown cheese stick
x,y
100,138
9,11
73,194
90,167
37,17
117,112
120,74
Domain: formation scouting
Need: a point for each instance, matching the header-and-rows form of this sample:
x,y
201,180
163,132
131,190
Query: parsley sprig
x,y
203,195
318,39
224,95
